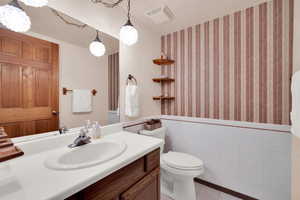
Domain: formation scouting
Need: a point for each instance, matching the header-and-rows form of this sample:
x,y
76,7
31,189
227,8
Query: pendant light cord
x,y
55,12
109,5
128,14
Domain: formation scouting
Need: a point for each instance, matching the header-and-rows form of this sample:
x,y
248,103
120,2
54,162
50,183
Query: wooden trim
x,y
5,32
163,98
163,61
135,124
227,125
224,190
214,124
55,84
160,80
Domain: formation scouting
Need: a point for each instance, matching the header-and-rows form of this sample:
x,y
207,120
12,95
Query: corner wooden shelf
x,y
163,98
163,61
160,80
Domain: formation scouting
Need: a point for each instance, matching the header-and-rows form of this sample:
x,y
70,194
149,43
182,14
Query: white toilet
x,y
178,170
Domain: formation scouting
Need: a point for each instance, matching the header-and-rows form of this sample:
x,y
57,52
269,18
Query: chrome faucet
x,y
63,130
82,139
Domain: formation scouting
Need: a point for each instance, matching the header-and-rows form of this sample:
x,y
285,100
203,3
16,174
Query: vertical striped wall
x,y
113,81
237,67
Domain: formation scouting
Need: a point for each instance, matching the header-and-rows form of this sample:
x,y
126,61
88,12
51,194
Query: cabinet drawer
x,y
111,186
146,189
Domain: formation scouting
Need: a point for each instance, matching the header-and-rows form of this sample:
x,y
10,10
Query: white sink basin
x,y
85,156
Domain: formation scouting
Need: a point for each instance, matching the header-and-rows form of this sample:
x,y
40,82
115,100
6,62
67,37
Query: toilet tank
x,y
157,133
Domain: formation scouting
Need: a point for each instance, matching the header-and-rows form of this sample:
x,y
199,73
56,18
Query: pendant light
x,y
128,34
14,17
35,3
97,47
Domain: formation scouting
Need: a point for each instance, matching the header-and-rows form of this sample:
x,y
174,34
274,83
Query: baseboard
x,y
224,190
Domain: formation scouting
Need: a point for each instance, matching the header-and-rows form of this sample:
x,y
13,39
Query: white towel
x,y
131,101
295,114
82,101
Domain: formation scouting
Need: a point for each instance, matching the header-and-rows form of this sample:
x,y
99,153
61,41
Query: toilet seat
x,y
182,161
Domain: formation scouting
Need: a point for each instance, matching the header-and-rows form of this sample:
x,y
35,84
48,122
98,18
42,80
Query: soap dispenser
x,y
96,133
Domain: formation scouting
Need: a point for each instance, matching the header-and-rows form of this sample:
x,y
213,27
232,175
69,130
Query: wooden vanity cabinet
x,y
139,180
146,189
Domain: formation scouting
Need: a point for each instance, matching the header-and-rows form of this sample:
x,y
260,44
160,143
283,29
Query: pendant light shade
x,y
97,48
14,18
35,3
128,34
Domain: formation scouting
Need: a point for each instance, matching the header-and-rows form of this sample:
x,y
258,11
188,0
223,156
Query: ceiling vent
x,y
160,15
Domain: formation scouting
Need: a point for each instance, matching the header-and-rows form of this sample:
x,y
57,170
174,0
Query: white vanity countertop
x,y
27,178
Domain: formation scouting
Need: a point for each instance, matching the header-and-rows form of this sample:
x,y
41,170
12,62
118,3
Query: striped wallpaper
x,y
237,67
113,81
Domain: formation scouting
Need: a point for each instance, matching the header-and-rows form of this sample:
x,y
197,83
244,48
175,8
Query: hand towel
x,y
131,101
295,114
82,101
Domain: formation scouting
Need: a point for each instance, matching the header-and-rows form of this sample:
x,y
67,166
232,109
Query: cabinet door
x,y
146,189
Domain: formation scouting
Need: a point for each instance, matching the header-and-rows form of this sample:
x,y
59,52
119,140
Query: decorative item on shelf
x,y
65,91
163,61
152,124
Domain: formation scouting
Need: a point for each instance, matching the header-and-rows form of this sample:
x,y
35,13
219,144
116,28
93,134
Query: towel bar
x,y
65,91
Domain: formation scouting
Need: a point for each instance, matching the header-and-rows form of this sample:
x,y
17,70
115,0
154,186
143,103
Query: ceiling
x,y
187,12
44,22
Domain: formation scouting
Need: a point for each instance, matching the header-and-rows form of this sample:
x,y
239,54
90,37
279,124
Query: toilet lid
x,y
182,160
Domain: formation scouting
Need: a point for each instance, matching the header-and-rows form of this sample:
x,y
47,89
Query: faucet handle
x,y
83,132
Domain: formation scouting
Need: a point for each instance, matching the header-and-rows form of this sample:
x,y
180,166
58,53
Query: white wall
x,y
250,161
80,70
136,59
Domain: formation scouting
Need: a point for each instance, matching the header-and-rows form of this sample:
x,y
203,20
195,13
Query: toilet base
x,y
184,189
178,189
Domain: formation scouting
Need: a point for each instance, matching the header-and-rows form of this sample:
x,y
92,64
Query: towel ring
x,y
131,78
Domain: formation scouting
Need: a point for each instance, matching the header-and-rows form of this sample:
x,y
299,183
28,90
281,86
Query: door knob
x,y
54,112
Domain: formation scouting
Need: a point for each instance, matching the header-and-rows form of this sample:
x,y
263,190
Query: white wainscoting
x,y
253,159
